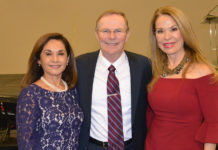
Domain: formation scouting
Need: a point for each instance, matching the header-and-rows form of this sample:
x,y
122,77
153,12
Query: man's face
x,y
112,34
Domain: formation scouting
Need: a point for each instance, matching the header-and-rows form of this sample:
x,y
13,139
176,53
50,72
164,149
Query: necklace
x,y
176,70
54,87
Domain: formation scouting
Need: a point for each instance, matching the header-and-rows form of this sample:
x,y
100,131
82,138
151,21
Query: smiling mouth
x,y
111,44
169,45
55,66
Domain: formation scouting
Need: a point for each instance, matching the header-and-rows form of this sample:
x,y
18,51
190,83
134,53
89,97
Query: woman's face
x,y
168,35
53,58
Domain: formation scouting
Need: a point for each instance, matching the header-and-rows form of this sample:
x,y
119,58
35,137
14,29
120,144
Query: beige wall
x,y
23,21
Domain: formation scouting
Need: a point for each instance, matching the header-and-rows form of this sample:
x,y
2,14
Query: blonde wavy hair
x,y
191,44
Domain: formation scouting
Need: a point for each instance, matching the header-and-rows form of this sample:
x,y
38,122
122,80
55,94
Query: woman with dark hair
x,y
183,94
48,115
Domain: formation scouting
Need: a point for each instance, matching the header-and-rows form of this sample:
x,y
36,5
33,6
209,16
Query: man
x,y
133,73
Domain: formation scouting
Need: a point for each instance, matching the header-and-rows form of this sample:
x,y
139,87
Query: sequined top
x,y
48,120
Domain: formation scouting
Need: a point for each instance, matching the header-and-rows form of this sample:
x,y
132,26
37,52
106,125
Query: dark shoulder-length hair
x,y
35,70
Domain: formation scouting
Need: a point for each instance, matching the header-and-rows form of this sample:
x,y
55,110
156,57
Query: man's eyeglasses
x,y
109,32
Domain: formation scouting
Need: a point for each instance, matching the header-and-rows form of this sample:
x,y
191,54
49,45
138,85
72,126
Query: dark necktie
x,y
115,124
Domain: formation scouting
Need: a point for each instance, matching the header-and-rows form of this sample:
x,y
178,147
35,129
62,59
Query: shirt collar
x,y
117,64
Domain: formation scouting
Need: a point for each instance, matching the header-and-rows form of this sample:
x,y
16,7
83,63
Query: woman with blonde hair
x,y
183,94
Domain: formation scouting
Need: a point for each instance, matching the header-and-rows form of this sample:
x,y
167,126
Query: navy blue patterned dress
x,y
48,120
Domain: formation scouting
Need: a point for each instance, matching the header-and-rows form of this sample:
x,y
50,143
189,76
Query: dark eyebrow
x,y
61,50
48,50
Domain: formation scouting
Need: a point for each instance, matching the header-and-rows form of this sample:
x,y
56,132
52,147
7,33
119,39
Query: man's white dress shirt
x,y
99,116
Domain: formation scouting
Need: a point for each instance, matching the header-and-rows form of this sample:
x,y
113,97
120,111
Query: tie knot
x,y
111,68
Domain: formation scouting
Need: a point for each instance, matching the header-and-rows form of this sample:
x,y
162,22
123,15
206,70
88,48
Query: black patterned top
x,y
48,120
